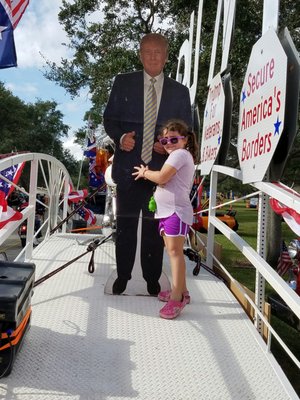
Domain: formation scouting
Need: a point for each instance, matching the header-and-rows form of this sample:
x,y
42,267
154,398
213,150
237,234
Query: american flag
x,y
77,195
284,261
87,215
15,9
11,12
12,174
96,178
7,214
91,147
96,160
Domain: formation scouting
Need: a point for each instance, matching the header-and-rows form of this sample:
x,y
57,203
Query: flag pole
x,y
79,175
81,162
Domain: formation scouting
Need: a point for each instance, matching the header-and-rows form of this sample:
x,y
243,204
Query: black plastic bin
x,y
16,284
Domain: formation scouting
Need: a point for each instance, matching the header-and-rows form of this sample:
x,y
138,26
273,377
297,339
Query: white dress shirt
x,y
158,87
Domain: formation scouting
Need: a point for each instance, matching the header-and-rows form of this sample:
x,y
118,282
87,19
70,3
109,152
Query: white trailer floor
x,y
87,345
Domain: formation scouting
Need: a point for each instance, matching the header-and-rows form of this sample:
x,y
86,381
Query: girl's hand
x,y
140,171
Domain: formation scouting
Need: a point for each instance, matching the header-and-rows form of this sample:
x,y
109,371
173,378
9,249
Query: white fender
x,y
107,176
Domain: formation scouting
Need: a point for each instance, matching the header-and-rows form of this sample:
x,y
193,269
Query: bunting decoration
x,y
290,216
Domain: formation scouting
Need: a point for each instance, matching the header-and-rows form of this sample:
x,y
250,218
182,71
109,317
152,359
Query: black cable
x,y
91,247
194,256
81,204
91,266
9,332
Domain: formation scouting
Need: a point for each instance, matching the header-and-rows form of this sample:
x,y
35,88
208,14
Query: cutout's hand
x,y
128,141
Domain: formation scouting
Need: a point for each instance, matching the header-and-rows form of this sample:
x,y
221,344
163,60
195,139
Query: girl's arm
x,y
160,177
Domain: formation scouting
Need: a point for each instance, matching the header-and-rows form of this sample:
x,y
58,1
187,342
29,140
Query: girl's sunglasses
x,y
172,140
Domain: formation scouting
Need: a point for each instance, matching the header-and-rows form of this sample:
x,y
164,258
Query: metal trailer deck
x,y
84,344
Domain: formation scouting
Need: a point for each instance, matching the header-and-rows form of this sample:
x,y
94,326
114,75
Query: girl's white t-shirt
x,y
174,196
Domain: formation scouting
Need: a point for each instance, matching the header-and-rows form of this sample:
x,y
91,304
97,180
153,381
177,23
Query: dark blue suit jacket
x,y
125,113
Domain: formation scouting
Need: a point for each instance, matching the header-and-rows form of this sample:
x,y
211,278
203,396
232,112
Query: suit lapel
x,y
138,88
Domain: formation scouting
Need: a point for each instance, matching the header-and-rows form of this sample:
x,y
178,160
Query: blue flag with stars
x,y
8,57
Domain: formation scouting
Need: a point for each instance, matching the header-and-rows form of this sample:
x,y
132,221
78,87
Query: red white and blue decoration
x,y
11,12
290,216
284,262
9,177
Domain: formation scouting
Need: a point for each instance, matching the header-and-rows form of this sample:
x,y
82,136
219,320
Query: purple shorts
x,y
173,226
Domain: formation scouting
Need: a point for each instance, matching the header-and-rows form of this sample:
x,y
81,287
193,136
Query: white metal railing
x,y
55,178
264,272
47,171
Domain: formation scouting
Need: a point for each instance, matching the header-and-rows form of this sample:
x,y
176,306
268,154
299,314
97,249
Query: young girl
x,y
174,208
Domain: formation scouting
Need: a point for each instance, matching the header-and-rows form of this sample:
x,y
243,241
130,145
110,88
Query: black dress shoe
x,y
119,286
153,288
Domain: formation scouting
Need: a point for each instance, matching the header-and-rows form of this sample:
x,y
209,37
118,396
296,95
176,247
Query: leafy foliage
x,y
34,127
104,38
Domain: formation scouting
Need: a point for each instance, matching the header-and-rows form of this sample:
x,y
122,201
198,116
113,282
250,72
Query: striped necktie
x,y
149,122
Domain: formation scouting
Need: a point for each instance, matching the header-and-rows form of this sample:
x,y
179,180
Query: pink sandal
x,y
172,309
165,296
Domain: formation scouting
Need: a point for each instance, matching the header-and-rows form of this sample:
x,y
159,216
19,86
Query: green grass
x,y
241,269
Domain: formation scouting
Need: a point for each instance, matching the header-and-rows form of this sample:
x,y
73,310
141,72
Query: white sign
x,y
186,52
262,107
212,125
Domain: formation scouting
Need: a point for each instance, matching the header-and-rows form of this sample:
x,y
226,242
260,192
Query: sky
x,y
39,32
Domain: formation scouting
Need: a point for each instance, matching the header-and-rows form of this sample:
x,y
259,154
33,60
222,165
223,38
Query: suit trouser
x,y
129,204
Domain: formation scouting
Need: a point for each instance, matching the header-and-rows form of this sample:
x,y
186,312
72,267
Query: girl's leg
x,y
174,247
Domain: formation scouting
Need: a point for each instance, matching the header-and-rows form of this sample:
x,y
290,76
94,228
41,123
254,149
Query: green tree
x,y
109,46
103,49
35,127
13,120
46,128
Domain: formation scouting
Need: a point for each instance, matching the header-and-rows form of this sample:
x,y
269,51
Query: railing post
x,y
65,203
261,250
211,212
32,205
54,182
